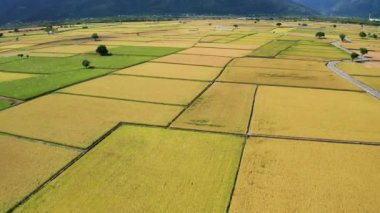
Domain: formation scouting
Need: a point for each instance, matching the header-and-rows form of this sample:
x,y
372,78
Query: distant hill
x,y
35,10
360,8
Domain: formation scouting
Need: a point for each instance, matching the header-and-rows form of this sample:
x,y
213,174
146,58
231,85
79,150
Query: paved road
x,y
332,66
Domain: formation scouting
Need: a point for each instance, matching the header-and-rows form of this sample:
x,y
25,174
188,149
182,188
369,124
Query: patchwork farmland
x,y
189,116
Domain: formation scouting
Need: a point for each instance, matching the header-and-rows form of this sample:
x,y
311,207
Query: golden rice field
x,y
283,64
170,172
167,91
25,165
176,71
212,111
304,176
188,116
373,82
283,77
216,52
77,120
353,68
337,115
201,60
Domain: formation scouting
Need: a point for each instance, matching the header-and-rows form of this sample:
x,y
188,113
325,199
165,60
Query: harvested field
x,y
283,77
373,82
223,108
280,64
24,165
170,172
54,115
354,68
213,61
168,91
173,71
372,65
215,52
301,176
5,76
336,115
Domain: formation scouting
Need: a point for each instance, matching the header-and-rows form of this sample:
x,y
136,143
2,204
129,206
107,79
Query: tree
x,y
279,24
16,30
95,36
86,63
1,34
334,25
49,29
342,37
374,36
354,56
102,50
363,51
362,34
236,26
320,35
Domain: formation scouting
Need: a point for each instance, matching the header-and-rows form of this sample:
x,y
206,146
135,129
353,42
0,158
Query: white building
x,y
373,19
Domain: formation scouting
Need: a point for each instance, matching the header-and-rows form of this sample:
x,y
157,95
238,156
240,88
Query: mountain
x,y
360,8
36,10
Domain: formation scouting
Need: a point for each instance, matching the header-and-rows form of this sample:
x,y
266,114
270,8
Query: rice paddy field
x,y
221,115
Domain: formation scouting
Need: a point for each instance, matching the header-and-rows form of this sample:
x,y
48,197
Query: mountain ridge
x,y
26,11
359,8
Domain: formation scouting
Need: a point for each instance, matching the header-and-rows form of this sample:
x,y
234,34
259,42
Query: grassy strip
x,y
4,104
123,57
32,87
273,48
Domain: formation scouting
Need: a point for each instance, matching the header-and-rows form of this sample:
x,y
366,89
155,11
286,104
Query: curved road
x,y
332,66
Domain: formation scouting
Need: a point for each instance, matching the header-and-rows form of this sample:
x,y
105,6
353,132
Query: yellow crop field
x,y
15,46
354,68
223,108
373,82
216,52
68,49
313,113
201,60
24,165
173,71
301,176
227,46
5,76
283,77
145,169
280,64
79,121
168,91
